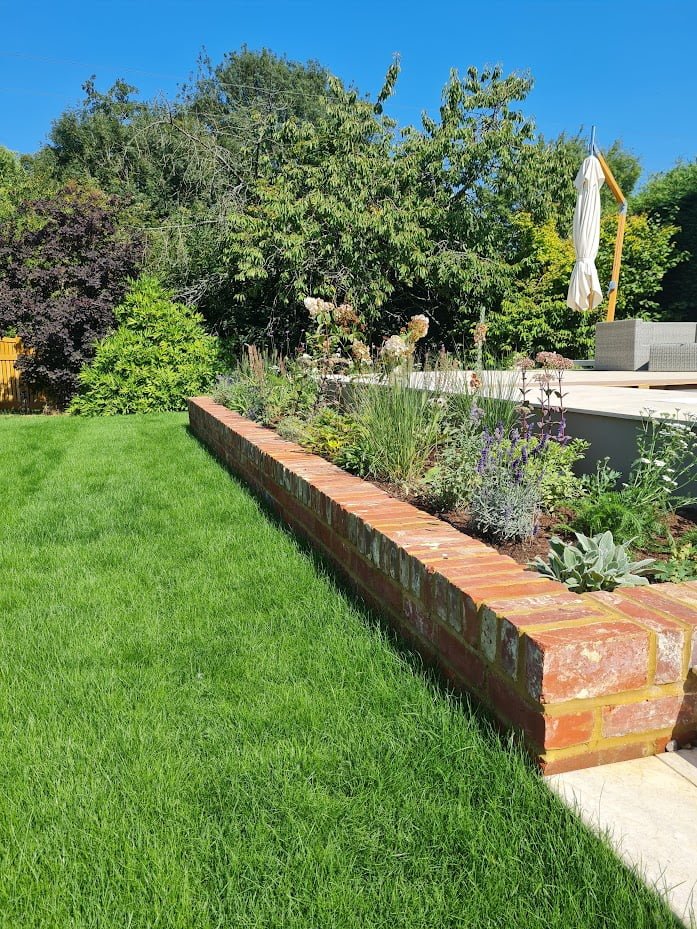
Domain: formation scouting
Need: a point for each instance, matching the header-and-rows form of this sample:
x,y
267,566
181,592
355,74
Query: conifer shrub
x,y
158,355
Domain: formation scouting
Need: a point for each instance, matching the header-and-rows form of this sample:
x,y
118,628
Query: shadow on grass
x,y
505,739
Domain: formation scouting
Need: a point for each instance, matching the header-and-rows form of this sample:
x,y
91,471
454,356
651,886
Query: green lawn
x,y
199,729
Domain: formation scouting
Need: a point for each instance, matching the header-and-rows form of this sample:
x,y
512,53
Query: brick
x,y
640,717
509,647
590,757
583,662
468,666
488,623
447,602
544,731
418,619
669,602
677,605
569,729
670,635
686,723
489,634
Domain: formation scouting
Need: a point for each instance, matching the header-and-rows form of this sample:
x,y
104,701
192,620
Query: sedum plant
x,y
596,563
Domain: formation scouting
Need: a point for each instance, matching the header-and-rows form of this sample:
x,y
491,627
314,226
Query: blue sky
x,y
628,67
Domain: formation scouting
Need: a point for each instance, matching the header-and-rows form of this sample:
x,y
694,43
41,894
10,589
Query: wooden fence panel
x,y
12,395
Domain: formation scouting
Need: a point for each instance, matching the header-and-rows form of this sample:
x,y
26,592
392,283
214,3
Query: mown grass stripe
x,y
199,729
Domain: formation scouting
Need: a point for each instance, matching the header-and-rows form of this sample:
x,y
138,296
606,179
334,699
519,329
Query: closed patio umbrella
x,y
584,288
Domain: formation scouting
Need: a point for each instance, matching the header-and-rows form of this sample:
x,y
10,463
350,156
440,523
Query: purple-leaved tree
x,y
64,266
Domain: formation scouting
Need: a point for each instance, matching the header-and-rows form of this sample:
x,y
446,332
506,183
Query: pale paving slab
x,y
647,809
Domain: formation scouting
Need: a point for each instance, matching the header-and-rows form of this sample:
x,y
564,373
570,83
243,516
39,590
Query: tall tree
x,y
354,211
672,198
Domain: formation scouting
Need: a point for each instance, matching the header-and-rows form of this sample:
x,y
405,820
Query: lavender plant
x,y
506,499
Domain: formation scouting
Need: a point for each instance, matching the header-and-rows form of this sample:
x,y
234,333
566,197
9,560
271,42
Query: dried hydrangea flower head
x,y
479,335
345,315
394,348
360,352
417,327
523,363
554,361
311,305
315,306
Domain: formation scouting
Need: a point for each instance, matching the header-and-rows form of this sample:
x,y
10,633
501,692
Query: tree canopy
x,y
672,198
265,180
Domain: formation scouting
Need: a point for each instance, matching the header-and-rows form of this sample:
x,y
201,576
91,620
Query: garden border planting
x,y
588,679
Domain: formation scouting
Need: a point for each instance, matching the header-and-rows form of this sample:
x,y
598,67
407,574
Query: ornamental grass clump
x,y
596,563
397,429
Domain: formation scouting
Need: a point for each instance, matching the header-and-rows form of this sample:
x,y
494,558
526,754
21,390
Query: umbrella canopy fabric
x,y
584,288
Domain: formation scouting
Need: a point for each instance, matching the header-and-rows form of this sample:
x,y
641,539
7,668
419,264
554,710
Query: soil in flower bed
x,y
550,525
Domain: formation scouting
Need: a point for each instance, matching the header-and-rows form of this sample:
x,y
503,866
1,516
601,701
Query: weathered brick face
x,y
586,679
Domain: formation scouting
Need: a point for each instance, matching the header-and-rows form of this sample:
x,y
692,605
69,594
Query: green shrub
x,y
159,355
596,563
449,483
682,564
620,512
559,486
327,433
267,388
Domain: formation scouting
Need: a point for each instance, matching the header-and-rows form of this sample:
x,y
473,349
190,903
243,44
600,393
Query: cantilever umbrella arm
x,y
619,240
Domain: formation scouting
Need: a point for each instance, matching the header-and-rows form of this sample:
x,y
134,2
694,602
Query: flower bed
x,y
588,678
492,463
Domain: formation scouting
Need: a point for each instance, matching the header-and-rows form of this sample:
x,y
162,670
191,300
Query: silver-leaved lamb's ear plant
x,y
595,563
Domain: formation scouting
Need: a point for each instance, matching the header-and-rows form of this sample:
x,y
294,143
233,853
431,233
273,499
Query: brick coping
x,y
588,679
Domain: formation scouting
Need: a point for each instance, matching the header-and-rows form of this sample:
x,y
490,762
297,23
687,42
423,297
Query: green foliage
x,y
268,389
666,464
326,432
559,485
21,180
681,565
596,563
10,179
267,180
353,212
622,513
534,315
448,484
648,255
397,429
159,355
253,85
491,400
88,142
671,199
636,512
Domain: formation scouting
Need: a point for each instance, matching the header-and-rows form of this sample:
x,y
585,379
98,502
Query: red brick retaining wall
x,y
589,678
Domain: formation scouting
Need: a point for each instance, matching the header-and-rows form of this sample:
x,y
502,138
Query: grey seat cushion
x,y
675,357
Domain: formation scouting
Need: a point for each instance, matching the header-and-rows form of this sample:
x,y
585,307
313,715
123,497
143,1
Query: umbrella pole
x,y
619,239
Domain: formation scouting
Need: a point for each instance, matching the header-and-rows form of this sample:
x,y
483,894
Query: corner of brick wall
x,y
588,679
